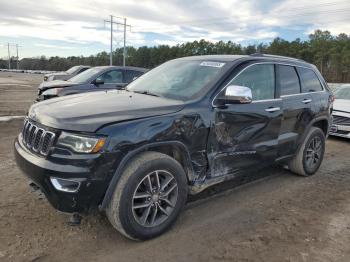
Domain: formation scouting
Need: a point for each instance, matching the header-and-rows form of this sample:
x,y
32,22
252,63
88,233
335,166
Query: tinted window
x,y
260,79
288,80
309,80
112,77
82,70
130,75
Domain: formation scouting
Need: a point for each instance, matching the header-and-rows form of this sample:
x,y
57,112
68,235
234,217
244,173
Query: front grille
x,y
37,139
341,120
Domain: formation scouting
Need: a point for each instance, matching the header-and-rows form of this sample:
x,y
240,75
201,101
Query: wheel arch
x,y
174,149
320,122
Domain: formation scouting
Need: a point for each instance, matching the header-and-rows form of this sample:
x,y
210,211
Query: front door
x,y
246,135
111,80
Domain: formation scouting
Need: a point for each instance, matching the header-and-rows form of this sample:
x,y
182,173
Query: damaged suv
x,y
188,124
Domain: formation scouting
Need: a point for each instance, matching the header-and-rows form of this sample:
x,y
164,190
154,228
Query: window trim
x,y
274,63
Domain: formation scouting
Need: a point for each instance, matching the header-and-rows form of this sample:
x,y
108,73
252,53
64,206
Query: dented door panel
x,y
242,135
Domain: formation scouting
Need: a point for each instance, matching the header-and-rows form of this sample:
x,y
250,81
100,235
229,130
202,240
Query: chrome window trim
x,y
273,63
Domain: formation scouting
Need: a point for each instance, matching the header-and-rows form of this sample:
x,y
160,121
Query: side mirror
x,y
99,81
134,78
236,95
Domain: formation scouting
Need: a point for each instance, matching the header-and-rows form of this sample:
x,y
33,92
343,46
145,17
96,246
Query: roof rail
x,y
277,56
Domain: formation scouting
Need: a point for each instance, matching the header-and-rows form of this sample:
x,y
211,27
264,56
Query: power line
x,y
111,27
290,13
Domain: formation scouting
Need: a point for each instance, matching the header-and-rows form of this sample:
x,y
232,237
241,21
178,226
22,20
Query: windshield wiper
x,y
145,92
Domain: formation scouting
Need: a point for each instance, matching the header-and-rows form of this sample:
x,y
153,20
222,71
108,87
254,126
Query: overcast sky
x,y
76,27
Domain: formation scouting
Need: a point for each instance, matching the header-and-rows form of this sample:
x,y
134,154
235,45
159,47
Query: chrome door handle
x,y
272,109
306,101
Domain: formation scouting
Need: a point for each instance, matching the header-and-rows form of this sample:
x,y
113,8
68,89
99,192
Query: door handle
x,y
306,101
272,109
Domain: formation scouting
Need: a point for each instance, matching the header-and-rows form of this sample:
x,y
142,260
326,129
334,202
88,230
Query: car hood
x,y
54,84
88,112
341,105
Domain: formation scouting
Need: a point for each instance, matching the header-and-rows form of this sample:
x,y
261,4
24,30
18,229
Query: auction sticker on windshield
x,y
212,64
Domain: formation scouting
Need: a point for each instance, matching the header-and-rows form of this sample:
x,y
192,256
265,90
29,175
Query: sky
x,y
77,27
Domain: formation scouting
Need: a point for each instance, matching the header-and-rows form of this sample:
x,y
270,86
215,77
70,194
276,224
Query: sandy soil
x,y
280,217
17,92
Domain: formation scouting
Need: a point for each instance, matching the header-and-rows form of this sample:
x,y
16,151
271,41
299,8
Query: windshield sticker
x,y
212,64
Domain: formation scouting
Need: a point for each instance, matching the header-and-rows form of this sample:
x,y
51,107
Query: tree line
x,y
331,54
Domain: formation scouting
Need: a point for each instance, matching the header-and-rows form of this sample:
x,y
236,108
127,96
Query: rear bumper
x,y
39,170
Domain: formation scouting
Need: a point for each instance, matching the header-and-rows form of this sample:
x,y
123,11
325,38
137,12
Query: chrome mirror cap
x,y
238,94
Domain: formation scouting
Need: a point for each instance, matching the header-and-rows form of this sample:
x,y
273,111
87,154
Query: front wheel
x,y
310,155
149,196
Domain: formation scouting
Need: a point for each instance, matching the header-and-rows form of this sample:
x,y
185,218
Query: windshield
x,y
343,93
178,79
72,69
85,76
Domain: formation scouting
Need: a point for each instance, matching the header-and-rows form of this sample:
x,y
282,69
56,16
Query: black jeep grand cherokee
x,y
183,126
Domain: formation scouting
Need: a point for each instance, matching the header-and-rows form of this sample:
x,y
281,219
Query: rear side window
x,y
260,79
288,80
130,75
82,69
309,81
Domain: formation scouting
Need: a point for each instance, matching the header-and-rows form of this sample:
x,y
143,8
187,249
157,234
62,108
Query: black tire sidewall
x,y
320,134
126,216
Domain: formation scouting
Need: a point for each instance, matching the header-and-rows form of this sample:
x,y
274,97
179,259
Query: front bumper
x,y
92,183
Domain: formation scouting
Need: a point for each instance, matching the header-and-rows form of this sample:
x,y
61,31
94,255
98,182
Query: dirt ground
x,y
280,217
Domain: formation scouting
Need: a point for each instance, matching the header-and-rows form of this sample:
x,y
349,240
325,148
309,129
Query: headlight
x,y
52,91
81,144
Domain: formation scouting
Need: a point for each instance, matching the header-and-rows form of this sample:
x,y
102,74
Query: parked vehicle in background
x,y
184,126
94,79
341,112
73,71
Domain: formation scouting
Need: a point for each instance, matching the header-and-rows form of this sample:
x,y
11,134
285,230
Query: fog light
x,y
65,185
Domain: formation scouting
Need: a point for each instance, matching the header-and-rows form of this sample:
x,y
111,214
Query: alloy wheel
x,y
154,198
314,152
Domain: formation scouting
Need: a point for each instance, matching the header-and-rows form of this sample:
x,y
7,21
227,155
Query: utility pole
x,y
17,57
111,53
111,27
8,52
124,50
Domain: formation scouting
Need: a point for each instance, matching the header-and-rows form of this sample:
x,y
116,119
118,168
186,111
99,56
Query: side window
x,y
260,79
130,75
112,77
309,81
82,70
288,80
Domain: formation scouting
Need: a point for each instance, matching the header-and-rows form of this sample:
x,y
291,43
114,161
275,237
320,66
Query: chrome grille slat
x,y
37,139
341,120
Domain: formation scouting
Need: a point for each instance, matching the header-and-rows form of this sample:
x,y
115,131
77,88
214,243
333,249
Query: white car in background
x,y
341,112
73,71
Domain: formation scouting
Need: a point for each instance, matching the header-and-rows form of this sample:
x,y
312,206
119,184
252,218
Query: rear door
x,y
246,135
296,109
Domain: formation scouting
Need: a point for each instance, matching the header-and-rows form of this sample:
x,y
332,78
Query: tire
x,y
300,164
124,211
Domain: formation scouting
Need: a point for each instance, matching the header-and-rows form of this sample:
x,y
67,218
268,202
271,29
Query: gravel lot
x,y
280,217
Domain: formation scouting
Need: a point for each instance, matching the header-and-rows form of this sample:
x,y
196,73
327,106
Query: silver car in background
x,y
341,112
65,75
